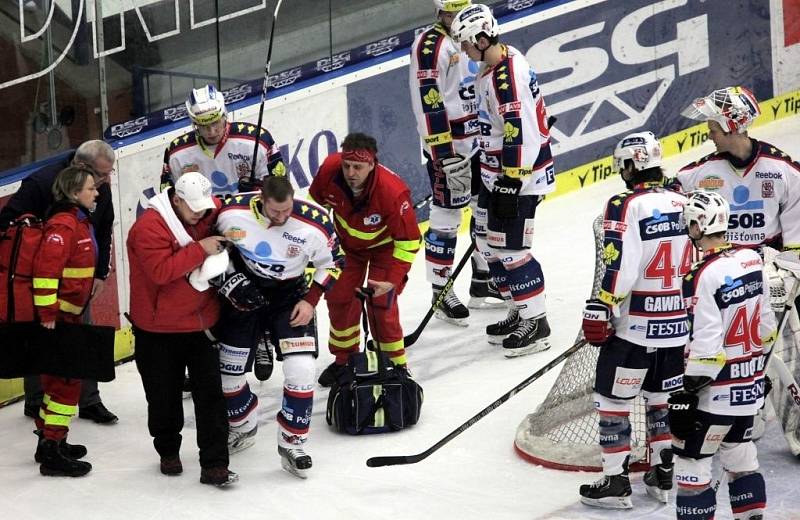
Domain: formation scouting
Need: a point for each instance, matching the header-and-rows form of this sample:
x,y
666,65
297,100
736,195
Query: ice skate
x,y
529,337
497,332
610,492
451,309
240,441
264,363
658,479
295,461
483,293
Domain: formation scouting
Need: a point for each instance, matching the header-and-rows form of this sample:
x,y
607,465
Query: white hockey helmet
x,y
734,108
642,148
451,6
473,21
708,209
206,105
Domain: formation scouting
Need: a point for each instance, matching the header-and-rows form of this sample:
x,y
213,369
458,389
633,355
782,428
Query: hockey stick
x,y
375,462
414,336
264,92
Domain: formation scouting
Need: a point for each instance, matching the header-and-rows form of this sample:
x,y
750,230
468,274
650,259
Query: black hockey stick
x,y
414,336
375,462
264,92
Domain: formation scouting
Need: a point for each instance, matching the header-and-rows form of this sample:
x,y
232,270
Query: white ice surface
x,y
475,476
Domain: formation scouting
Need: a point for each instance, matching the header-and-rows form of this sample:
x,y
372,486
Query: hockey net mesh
x,y
563,431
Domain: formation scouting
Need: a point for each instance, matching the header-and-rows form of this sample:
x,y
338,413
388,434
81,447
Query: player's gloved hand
x,y
247,184
767,386
504,199
458,173
683,413
242,293
597,327
165,182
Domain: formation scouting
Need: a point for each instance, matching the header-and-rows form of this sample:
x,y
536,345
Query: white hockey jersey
x,y
282,252
646,252
729,314
226,162
514,136
441,81
764,194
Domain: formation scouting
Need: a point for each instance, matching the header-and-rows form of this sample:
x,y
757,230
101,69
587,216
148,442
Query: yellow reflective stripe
x,y
382,242
68,307
361,235
57,420
392,346
437,139
379,418
372,361
343,343
44,301
78,272
609,299
408,245
404,256
62,409
45,283
345,332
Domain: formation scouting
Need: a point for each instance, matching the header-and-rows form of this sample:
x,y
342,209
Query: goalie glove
x,y
242,293
458,173
782,272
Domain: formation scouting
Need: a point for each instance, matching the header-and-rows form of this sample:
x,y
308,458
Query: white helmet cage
x,y
206,105
473,21
709,210
642,148
734,108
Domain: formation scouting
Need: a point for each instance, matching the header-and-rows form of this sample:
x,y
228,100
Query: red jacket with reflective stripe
x,y
161,298
63,271
382,217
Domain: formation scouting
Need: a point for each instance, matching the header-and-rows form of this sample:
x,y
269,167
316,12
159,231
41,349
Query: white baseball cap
x,y
195,190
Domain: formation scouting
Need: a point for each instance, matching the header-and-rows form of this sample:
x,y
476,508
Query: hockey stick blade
x,y
414,336
397,460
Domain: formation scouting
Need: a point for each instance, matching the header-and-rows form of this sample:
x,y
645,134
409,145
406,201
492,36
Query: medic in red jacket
x,y
377,228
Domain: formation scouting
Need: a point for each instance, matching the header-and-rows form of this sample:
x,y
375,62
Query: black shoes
x,y
171,465
98,413
330,375
219,477
56,464
73,451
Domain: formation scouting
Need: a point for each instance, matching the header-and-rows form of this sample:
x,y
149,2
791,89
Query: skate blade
x,y
662,495
241,445
460,322
496,340
299,473
608,502
538,346
485,302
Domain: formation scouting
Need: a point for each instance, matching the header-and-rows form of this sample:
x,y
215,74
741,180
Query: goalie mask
x,y
206,105
734,108
709,210
473,21
642,148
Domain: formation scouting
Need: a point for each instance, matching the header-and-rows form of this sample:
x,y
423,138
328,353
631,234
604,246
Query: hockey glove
x,y
247,184
243,294
597,327
165,182
683,414
458,173
504,199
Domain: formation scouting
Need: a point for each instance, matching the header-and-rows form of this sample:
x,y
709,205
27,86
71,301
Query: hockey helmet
x,y
707,209
206,105
734,108
471,22
451,6
642,148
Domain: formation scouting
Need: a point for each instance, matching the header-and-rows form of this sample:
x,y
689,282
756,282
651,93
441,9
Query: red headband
x,y
360,155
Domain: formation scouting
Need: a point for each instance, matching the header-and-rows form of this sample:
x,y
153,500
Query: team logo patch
x,y
711,183
190,167
292,251
235,234
242,169
767,189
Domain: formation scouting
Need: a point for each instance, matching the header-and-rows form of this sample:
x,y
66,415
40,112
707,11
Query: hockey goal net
x,y
563,432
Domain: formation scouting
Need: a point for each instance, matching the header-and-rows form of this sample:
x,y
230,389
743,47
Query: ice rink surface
x,y
476,476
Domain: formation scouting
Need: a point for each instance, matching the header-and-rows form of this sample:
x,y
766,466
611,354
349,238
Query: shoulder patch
x,y
773,151
428,48
700,161
311,212
249,130
237,200
186,139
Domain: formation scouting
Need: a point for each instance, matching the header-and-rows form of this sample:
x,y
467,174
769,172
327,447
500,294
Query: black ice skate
x,y
529,337
57,464
610,492
295,461
73,451
219,476
240,441
264,363
497,332
450,309
483,293
658,479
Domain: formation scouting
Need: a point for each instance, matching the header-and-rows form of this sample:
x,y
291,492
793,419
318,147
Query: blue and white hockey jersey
x,y
282,252
729,314
514,136
764,194
646,252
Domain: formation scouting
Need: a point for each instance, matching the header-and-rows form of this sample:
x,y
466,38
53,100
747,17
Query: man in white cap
x,y
171,317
